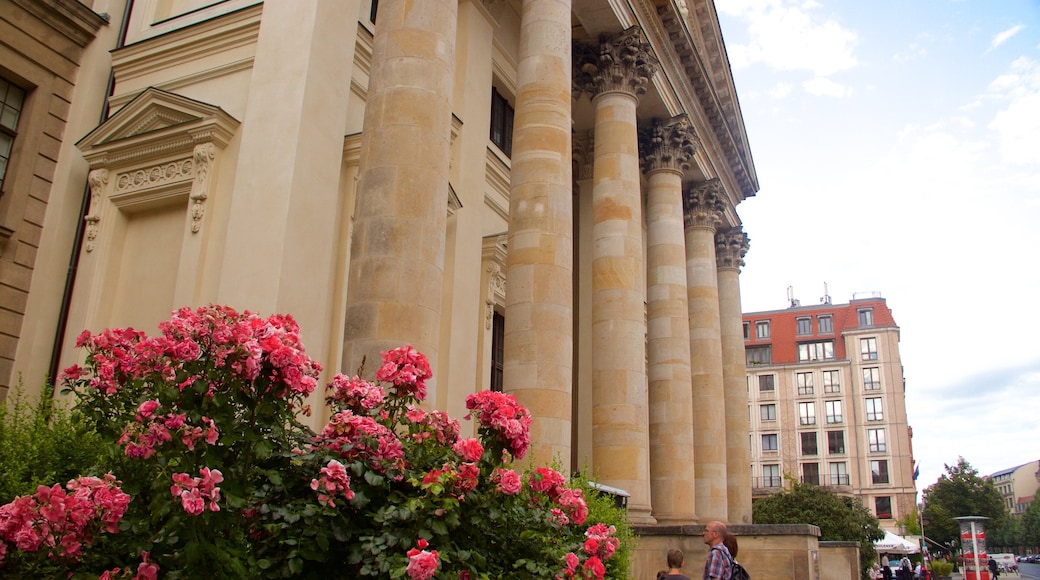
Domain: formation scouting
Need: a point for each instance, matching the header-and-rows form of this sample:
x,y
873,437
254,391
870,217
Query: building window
x,y
879,471
871,379
771,476
805,386
883,507
874,409
839,475
807,413
825,324
804,326
759,355
768,412
501,122
762,329
811,473
809,446
12,99
498,333
811,351
868,348
831,381
747,330
770,442
833,409
372,11
876,439
866,317
836,442
766,383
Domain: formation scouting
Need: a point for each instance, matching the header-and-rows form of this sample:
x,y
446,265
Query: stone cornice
x,y
69,17
622,62
667,145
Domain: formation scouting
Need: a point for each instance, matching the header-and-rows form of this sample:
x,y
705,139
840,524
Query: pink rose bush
x,y
213,474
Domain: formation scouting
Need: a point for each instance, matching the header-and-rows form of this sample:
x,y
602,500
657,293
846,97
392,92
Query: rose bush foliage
x,y
208,471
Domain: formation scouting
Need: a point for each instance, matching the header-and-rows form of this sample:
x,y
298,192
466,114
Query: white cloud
x,y
912,52
1018,130
1006,35
781,90
824,87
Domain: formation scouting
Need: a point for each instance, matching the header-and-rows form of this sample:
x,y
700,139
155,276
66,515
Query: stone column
x,y
730,247
615,74
539,289
703,214
397,263
665,151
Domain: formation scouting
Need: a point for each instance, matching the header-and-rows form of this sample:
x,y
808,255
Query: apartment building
x,y
826,403
1018,486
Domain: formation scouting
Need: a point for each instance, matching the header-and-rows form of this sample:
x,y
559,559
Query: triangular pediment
x,y
156,120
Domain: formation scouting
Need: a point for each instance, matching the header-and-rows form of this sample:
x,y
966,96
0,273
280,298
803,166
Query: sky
x,y
897,146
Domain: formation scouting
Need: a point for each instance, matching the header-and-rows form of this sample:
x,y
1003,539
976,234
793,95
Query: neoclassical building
x,y
540,195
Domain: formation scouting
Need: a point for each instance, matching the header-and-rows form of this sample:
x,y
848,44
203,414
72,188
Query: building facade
x,y
1018,486
827,407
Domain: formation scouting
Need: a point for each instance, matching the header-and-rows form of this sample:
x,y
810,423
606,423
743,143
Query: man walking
x,y
718,565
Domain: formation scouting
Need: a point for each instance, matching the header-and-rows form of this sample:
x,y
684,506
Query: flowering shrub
x,y
212,475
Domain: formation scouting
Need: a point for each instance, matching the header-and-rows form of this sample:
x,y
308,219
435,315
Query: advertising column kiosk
x,y
973,547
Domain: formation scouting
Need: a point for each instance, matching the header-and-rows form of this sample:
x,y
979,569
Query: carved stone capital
x,y
731,245
583,150
702,204
623,62
667,145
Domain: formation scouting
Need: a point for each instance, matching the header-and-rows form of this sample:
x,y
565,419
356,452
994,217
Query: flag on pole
x,y
917,469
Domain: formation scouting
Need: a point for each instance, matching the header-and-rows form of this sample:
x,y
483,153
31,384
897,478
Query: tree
x,y
960,492
1031,525
840,518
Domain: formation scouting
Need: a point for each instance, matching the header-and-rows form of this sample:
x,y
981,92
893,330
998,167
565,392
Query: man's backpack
x,y
739,573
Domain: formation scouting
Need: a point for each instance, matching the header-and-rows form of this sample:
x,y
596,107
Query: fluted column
x,y
730,247
615,73
397,265
539,286
703,215
665,151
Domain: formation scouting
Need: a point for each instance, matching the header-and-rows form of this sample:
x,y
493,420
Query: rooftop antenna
x,y
826,297
791,299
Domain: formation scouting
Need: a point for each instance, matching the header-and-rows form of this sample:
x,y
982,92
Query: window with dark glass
x,y
825,324
804,326
809,446
836,442
766,383
498,333
770,442
811,473
501,122
12,99
747,330
879,471
768,412
759,355
883,507
866,317
372,11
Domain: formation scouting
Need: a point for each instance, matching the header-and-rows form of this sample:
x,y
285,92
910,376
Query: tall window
x,y
762,329
831,381
12,99
871,379
833,411
807,413
804,326
836,442
879,471
372,11
839,475
875,411
501,122
498,333
883,507
768,412
766,383
868,348
866,317
805,386
811,351
747,330
809,446
770,442
825,323
759,355
876,439
811,473
771,476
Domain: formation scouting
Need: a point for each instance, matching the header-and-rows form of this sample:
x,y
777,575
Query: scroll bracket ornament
x,y
97,179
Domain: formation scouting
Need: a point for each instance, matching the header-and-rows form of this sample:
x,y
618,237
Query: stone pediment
x,y
153,125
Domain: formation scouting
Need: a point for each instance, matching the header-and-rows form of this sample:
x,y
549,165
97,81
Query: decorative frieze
x,y
667,144
624,62
155,175
702,204
731,246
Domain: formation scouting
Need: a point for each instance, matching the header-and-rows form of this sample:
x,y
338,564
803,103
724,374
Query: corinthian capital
x,y
731,245
702,204
623,62
667,144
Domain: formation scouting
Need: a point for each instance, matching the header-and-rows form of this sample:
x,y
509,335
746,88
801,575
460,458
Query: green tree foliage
x,y
1031,525
911,522
960,492
1005,538
840,518
42,442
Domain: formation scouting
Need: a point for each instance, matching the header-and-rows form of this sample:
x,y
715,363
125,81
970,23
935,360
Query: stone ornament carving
x,y
155,175
667,144
583,151
496,292
702,204
624,62
97,179
731,246
203,156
